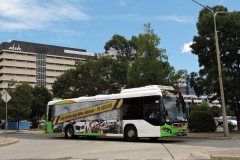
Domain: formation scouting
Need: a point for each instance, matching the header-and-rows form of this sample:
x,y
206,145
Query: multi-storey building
x,y
36,64
184,86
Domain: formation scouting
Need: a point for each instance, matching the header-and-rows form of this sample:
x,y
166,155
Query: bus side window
x,y
151,108
131,108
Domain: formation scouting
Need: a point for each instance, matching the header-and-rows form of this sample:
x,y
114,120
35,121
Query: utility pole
x,y
225,125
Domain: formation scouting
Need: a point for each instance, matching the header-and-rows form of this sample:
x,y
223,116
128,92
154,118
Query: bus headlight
x,y
167,130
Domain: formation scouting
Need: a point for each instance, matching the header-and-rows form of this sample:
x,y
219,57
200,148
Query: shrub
x,y
201,121
216,111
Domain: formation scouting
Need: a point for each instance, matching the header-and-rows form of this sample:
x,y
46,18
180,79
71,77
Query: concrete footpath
x,y
223,154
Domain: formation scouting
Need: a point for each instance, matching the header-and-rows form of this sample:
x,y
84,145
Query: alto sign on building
x,y
15,47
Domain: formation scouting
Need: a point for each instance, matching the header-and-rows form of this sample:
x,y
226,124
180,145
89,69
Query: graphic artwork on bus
x,y
101,118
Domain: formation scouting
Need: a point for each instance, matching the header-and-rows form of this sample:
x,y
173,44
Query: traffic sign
x,y
6,97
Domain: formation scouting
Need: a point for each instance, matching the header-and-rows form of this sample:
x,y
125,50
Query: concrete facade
x,y
36,64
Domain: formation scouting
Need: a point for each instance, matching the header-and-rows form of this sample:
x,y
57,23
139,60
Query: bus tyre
x,y
130,134
69,132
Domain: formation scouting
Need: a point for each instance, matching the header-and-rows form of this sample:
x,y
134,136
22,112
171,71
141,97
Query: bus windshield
x,y
175,106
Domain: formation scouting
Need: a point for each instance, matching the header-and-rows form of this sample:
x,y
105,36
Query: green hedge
x,y
201,121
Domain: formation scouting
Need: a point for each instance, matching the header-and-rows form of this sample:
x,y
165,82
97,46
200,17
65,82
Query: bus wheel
x,y
130,134
153,138
69,132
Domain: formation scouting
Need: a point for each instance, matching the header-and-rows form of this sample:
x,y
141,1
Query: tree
x,y
102,76
205,104
139,62
147,44
9,90
2,109
41,97
19,107
65,85
204,47
216,111
151,64
113,74
124,48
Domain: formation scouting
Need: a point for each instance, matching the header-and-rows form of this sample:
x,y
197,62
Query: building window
x,y
41,69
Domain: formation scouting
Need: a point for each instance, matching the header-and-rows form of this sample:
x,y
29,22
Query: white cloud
x,y
176,18
33,14
186,47
136,17
122,3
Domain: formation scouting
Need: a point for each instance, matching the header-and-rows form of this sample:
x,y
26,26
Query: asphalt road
x,y
44,147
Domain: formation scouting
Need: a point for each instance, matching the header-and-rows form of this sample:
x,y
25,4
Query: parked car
x,y
41,123
219,120
232,122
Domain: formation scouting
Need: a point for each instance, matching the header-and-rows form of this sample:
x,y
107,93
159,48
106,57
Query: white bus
x,y
151,111
189,99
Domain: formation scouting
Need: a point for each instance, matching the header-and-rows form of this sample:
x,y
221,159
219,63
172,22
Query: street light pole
x,y
225,125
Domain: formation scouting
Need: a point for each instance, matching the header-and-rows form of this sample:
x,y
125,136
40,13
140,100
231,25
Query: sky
x,y
89,24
